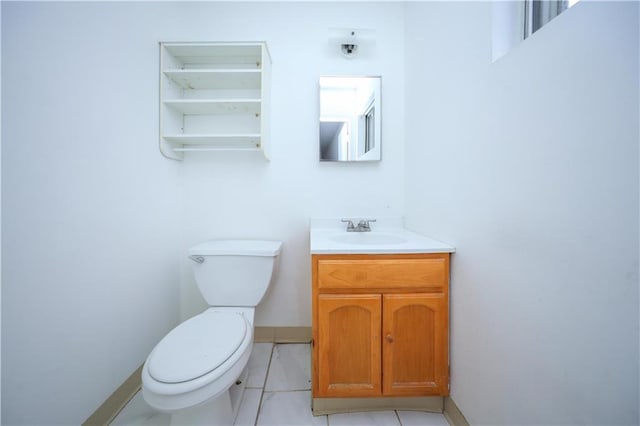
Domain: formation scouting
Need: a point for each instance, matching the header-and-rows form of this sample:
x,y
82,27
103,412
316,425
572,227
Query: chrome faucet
x,y
363,225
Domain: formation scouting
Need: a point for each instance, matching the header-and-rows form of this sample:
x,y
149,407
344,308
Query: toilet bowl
x,y
198,360
197,372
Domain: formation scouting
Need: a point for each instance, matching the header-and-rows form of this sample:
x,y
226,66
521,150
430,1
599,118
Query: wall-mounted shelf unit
x,y
214,96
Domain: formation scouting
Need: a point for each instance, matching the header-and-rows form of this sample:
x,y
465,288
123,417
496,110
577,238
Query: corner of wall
x,y
507,23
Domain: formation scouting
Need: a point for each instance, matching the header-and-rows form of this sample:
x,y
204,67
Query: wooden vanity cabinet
x,y
380,325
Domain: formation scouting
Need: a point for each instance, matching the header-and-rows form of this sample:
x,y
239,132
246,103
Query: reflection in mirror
x,y
350,118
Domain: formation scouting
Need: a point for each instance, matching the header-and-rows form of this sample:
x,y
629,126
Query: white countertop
x,y
387,236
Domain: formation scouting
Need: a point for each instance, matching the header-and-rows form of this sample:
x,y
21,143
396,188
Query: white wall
x,y
97,223
529,166
90,237
235,195
0,209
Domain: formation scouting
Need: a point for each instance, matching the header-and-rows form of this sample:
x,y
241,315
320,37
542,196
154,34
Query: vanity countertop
x,y
387,236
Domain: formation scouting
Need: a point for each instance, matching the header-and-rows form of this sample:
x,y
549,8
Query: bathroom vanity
x,y
380,319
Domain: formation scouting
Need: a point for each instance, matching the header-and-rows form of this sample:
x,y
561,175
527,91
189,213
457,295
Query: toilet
x,y
198,371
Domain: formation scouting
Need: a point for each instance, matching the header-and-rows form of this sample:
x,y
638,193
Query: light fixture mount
x,y
352,42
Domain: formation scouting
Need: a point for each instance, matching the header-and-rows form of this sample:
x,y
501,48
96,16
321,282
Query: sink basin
x,y
368,238
388,236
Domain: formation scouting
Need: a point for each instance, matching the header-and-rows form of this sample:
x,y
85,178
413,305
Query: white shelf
x,y
229,138
214,96
215,106
213,142
216,148
215,78
194,55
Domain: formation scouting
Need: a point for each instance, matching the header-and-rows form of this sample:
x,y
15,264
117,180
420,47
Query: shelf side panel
x,y
166,147
265,115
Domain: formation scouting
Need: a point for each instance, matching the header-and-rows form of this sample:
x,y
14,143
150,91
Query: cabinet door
x,y
349,345
415,344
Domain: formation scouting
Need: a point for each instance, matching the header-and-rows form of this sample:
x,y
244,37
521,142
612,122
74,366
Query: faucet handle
x,y
350,225
364,224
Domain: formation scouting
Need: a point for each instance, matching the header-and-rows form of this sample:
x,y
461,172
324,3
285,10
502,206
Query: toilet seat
x,y
169,397
197,347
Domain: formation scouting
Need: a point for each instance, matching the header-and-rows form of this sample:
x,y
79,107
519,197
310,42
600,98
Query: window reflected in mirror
x,y
349,119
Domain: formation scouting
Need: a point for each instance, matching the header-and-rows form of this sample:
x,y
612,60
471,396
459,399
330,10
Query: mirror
x,y
350,116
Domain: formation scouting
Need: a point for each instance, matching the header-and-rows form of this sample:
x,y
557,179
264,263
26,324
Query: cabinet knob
x,y
389,338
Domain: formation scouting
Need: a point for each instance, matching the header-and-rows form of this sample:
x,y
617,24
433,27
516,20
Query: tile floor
x,y
279,393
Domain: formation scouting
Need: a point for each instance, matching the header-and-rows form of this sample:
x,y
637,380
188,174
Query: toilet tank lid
x,y
237,248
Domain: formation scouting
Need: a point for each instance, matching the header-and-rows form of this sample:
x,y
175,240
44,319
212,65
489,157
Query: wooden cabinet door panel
x,y
349,345
415,344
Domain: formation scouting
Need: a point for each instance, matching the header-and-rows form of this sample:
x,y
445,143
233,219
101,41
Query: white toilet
x,y
198,371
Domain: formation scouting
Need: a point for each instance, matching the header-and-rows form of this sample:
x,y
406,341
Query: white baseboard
x,y
116,401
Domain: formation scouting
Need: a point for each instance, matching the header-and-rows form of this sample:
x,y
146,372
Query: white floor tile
x,y
258,364
286,400
288,408
420,418
370,418
248,410
138,412
290,368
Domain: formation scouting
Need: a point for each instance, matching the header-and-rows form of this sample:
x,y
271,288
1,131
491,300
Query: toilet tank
x,y
234,272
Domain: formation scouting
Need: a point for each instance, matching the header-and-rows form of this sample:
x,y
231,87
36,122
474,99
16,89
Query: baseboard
x,y
453,414
119,399
282,334
322,406
109,409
